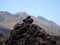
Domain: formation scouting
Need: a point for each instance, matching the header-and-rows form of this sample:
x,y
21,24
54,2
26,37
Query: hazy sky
x,y
50,9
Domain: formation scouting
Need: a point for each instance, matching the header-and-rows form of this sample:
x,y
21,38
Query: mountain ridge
x,y
11,19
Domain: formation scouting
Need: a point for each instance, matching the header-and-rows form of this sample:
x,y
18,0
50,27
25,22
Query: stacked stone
x,y
29,34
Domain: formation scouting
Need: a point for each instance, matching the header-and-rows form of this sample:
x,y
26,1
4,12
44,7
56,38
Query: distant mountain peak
x,y
22,14
5,13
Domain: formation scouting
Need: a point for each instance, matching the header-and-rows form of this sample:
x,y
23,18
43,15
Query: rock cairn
x,y
29,34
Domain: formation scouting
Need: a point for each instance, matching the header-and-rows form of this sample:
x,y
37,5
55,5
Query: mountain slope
x,y
49,26
7,19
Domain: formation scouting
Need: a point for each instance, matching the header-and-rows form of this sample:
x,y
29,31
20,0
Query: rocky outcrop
x,y
29,34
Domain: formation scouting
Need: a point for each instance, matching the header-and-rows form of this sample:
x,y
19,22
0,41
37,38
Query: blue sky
x,y
49,9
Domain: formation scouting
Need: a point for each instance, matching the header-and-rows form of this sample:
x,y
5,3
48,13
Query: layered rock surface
x,y
29,34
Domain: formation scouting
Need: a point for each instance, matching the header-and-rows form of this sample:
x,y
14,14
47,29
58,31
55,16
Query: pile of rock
x,y
29,34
